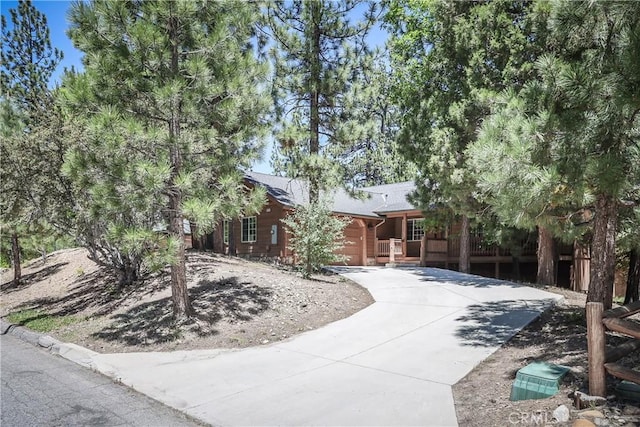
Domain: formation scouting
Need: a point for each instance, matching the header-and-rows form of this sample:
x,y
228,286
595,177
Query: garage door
x,y
353,249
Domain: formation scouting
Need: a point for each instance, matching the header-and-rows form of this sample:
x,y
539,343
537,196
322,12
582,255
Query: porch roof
x,y
394,196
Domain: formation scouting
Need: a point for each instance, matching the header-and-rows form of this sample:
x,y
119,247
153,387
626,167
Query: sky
x,y
56,13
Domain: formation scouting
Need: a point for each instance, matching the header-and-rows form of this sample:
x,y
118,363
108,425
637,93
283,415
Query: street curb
x,y
27,335
73,352
79,355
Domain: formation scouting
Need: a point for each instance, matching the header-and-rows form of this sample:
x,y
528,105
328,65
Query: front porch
x,y
401,240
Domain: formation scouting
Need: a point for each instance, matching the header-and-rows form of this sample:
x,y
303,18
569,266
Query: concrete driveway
x,y
392,363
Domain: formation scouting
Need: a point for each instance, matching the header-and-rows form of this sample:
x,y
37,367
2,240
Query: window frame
x,y
412,230
248,221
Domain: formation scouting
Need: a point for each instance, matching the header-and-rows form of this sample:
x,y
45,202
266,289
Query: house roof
x,y
374,201
395,196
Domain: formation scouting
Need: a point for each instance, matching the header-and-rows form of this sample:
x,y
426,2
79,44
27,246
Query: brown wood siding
x,y
371,238
270,215
353,237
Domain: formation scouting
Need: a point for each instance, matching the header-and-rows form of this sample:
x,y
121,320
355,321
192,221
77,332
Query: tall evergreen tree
x,y
316,50
447,56
28,155
571,139
594,77
171,103
366,147
513,164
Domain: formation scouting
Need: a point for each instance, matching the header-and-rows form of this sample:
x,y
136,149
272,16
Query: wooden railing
x,y
437,246
385,248
601,359
480,248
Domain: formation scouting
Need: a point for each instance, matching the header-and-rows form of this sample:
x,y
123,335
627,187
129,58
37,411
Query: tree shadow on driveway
x,y
213,301
494,323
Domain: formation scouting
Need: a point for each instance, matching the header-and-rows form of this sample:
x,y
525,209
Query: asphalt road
x,y
40,389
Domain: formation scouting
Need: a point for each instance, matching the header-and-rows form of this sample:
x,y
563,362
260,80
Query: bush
x,y
317,236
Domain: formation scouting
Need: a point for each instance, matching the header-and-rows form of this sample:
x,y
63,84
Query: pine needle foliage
x,y
593,76
171,105
448,58
315,51
30,145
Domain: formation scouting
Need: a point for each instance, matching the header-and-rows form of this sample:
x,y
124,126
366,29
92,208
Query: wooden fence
x,y
602,360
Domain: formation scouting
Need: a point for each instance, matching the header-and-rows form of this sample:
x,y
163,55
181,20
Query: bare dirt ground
x,y
559,337
238,303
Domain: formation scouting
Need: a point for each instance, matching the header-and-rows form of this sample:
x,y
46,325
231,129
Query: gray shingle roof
x,y
376,200
394,196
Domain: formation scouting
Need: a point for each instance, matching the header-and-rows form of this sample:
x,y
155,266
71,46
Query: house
x,y
385,229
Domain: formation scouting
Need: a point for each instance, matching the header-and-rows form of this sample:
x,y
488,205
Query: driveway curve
x,y
392,363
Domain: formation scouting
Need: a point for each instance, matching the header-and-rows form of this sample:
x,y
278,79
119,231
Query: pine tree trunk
x,y
546,258
128,273
423,251
314,106
633,277
603,256
15,252
179,292
465,245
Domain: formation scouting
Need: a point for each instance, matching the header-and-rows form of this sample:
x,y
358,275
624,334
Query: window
x,y
249,230
415,229
225,231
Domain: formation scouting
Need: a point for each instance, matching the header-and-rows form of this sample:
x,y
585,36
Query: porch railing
x,y
481,248
384,247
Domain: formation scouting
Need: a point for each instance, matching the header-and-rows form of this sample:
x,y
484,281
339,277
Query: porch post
x,y
404,235
423,250
392,250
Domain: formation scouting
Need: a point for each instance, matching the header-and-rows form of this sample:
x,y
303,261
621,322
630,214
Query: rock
x,y
561,414
601,422
265,341
631,410
591,414
582,423
583,400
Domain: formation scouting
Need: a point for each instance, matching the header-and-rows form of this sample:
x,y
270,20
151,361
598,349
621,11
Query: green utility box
x,y
537,381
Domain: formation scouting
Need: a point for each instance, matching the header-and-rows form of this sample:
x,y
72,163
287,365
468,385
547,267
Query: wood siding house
x,y
385,229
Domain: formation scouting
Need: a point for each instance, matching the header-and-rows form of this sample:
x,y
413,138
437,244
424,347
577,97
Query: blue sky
x,y
56,13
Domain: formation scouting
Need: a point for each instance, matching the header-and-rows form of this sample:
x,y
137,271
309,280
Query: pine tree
x,y
448,57
28,155
171,107
517,177
315,54
365,147
593,77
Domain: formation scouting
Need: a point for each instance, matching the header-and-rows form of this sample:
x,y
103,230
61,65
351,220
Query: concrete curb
x,y
27,335
73,352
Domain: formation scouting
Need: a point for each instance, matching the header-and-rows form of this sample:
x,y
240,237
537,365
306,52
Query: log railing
x,y
601,359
